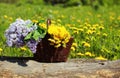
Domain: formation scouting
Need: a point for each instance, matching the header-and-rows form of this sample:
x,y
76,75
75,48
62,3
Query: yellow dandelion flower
x,y
104,34
98,33
101,27
100,58
73,48
5,16
43,25
10,18
1,49
58,20
93,28
74,28
36,21
74,44
58,45
75,32
86,44
80,29
57,42
66,40
95,25
88,25
69,25
85,27
51,40
88,53
87,38
56,38
23,48
80,54
89,32
83,42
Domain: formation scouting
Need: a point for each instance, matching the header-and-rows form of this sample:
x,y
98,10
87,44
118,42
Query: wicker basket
x,y
48,53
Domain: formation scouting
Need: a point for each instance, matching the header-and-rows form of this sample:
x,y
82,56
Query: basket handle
x,y
48,22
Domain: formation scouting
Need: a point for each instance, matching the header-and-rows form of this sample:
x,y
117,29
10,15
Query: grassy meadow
x,y
96,32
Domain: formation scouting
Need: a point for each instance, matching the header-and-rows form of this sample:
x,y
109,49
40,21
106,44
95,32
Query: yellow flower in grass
x,y
58,20
72,48
10,18
89,54
80,29
85,44
35,21
101,27
87,38
95,25
98,33
1,49
74,28
104,34
89,32
23,48
93,28
69,25
100,58
5,16
75,32
80,54
74,44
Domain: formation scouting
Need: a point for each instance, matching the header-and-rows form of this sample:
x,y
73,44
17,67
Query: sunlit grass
x,y
96,33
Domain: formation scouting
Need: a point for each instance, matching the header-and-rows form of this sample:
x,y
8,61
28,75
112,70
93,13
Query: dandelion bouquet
x,y
59,36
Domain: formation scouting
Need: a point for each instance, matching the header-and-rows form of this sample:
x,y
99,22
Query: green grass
x,y
105,44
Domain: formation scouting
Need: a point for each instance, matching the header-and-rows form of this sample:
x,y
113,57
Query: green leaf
x,y
36,35
42,35
28,36
42,32
41,21
29,25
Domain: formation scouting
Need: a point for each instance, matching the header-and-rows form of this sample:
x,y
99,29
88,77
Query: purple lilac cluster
x,y
17,31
